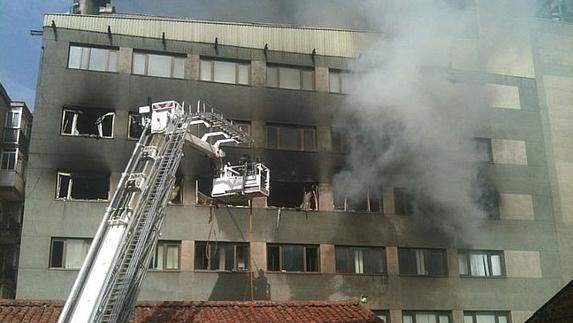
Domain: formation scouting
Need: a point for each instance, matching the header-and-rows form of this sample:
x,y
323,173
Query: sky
x,y
20,52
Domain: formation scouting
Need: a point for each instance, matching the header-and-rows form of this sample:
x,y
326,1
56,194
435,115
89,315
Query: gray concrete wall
x,y
524,235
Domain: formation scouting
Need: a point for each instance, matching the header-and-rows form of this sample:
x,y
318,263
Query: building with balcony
x,y
16,120
286,85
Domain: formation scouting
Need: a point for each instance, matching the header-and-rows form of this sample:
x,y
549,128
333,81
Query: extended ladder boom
x,y
109,281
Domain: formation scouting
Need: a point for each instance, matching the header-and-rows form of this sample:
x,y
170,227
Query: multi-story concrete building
x,y
16,122
286,84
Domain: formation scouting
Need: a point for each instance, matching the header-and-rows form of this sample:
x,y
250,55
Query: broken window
x,y
87,122
166,256
426,317
225,71
135,126
160,65
293,258
9,158
403,202
222,256
339,81
486,317
486,195
294,195
476,263
93,58
203,189
483,149
82,186
290,77
68,253
422,262
360,260
291,137
176,193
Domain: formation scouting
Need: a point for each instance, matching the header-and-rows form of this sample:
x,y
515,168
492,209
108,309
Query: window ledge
x,y
292,150
84,201
424,276
295,272
215,82
483,277
88,70
161,77
364,274
205,271
85,136
294,90
174,271
62,269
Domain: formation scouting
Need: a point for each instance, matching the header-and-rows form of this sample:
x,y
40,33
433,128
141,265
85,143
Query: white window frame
x,y
130,116
64,251
5,152
165,245
69,192
212,61
88,56
75,133
146,64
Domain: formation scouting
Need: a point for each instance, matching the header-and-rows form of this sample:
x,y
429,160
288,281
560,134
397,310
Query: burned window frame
x,y
172,64
300,69
436,314
350,255
425,252
207,264
165,245
76,111
370,201
467,253
64,242
130,117
212,61
68,196
307,190
300,129
109,67
496,314
305,265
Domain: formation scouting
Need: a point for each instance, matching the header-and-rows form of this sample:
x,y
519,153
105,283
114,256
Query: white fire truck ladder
x,y
109,281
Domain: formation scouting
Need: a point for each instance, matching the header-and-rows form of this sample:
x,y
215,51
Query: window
x,y
12,126
339,141
160,65
360,260
473,263
166,256
176,193
82,186
339,81
294,195
135,126
291,138
422,262
222,71
558,10
368,201
9,158
383,315
93,58
426,317
403,202
87,122
68,253
290,77
486,317
222,256
486,196
292,258
483,149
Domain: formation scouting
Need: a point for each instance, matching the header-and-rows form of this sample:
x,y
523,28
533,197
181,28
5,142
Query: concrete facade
x,y
529,114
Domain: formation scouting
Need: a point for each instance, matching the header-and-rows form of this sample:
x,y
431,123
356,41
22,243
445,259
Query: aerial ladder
x,y
108,283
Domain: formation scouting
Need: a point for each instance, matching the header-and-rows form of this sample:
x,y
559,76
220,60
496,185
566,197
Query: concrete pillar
x,y
453,267
325,197
188,190
388,201
258,133
120,124
457,316
259,255
327,259
124,60
396,316
258,73
192,64
392,261
187,255
324,139
321,79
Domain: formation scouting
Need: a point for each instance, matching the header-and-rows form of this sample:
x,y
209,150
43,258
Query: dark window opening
x,y
291,138
203,187
483,149
403,202
176,193
422,262
82,186
87,122
360,260
293,258
294,195
135,126
221,256
486,195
